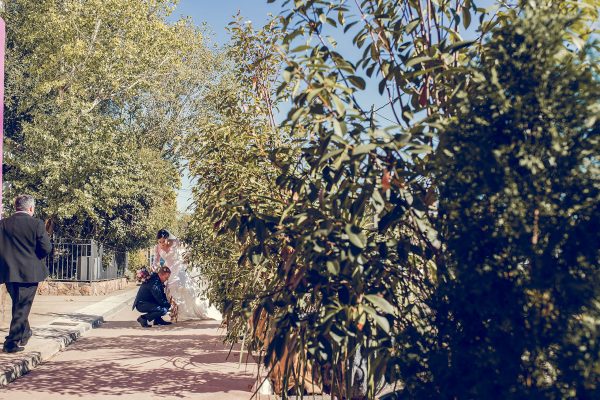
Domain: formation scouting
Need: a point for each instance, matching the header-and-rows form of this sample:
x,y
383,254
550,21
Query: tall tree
x,y
362,256
229,158
352,248
98,93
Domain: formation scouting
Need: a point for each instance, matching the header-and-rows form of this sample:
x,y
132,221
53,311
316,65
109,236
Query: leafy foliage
x,y
228,155
349,255
380,245
94,107
519,193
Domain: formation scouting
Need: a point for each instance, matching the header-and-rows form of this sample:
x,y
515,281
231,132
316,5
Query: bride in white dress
x,y
181,286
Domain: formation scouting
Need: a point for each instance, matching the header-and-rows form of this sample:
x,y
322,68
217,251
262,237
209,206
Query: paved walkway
x,y
56,322
46,309
121,360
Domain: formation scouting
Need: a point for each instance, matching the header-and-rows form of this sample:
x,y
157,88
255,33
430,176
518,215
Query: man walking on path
x,y
152,300
24,244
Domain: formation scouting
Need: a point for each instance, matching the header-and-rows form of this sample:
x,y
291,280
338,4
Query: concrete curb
x,y
53,337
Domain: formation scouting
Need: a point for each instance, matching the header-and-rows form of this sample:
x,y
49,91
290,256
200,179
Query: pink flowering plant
x,y
142,275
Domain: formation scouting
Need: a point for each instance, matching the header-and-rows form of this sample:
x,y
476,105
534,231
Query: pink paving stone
x,y
121,360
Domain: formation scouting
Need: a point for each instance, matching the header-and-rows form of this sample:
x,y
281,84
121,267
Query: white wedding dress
x,y
183,287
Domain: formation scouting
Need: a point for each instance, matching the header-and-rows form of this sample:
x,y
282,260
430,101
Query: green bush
x,y
518,174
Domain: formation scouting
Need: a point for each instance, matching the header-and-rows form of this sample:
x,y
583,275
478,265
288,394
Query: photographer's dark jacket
x,y
152,292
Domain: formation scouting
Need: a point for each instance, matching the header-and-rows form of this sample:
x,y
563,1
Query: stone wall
x,y
56,288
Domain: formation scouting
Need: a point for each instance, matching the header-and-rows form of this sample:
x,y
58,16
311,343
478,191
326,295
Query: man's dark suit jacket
x,y
24,244
152,292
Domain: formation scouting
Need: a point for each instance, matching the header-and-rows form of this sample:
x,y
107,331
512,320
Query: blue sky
x,y
217,14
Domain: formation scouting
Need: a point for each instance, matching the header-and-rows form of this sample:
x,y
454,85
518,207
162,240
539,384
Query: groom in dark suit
x,y
152,300
24,244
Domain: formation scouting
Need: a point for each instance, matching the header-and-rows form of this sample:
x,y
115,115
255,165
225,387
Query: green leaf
x,y
356,237
418,60
466,17
382,85
380,302
412,25
364,148
303,47
380,320
338,127
333,267
338,162
256,258
454,47
357,81
339,104
383,323
332,154
349,26
336,338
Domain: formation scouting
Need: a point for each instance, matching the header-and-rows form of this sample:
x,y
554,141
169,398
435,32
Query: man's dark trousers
x,y
152,311
22,295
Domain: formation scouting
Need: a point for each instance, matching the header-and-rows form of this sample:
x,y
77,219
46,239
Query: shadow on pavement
x,y
73,378
159,361
75,317
200,324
